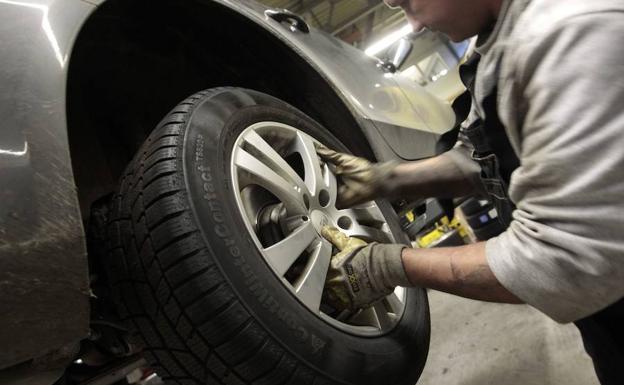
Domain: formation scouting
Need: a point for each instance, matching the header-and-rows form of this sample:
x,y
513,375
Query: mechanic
x,y
544,139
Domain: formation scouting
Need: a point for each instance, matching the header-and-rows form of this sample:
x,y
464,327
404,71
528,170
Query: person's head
x,y
458,19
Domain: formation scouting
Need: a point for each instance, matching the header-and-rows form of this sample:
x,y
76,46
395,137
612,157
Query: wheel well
x,y
134,60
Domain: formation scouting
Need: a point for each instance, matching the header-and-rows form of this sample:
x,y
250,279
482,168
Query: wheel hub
x,y
269,224
319,219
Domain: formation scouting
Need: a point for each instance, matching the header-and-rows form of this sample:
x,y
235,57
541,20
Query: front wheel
x,y
217,262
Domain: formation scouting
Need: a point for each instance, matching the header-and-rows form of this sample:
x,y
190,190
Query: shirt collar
x,y
486,40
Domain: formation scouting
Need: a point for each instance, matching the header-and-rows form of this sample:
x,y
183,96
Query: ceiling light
x,y
388,40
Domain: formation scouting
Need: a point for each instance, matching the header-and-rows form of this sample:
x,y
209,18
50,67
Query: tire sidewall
x,y
211,132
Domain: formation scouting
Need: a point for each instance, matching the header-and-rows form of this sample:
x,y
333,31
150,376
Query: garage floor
x,y
476,343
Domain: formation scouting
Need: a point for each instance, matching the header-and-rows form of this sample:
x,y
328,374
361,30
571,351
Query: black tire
x,y
480,220
472,206
206,306
488,231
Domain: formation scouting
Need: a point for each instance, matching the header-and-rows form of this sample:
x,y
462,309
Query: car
x,y
162,198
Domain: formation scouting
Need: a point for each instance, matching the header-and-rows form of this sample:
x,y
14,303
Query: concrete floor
x,y
476,343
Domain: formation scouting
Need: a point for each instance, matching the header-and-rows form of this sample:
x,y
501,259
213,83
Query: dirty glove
x,y
362,180
360,273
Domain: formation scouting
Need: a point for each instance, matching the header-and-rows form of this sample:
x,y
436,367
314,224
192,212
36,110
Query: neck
x,y
495,7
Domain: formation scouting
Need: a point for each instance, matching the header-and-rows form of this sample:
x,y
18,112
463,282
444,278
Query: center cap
x,y
319,219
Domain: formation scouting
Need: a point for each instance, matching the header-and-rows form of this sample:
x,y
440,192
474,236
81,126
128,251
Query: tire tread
x,y
166,284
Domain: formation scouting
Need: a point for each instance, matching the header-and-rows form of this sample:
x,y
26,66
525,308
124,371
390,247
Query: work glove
x,y
361,273
362,180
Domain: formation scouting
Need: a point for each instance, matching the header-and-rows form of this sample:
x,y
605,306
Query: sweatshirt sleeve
x,y
564,251
461,156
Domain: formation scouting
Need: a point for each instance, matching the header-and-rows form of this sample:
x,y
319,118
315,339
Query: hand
x,y
362,180
360,274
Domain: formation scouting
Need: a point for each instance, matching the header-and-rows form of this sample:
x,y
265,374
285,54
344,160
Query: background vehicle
x,y
84,83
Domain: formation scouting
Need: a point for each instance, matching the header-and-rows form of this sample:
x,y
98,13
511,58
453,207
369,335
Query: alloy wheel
x,y
285,195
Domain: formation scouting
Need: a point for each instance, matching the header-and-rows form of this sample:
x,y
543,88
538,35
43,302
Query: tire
x,y
189,279
479,220
472,206
488,231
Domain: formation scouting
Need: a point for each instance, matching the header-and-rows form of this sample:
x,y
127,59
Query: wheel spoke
x,y
311,163
310,288
367,214
331,182
384,319
284,253
369,233
259,173
394,304
265,153
365,317
369,223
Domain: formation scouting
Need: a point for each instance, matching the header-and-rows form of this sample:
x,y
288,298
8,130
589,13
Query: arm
x,y
360,273
462,271
452,174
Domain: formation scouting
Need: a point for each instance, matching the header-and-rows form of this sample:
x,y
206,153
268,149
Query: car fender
x,y
408,117
44,285
403,111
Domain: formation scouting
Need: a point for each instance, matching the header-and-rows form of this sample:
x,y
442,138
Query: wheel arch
x,y
133,61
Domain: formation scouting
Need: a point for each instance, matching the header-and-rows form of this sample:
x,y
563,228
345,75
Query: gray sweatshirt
x,y
559,67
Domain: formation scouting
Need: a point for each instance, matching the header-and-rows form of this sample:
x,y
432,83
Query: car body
x,y
78,74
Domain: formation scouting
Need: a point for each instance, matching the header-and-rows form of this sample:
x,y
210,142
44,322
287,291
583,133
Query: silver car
x,y
161,198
